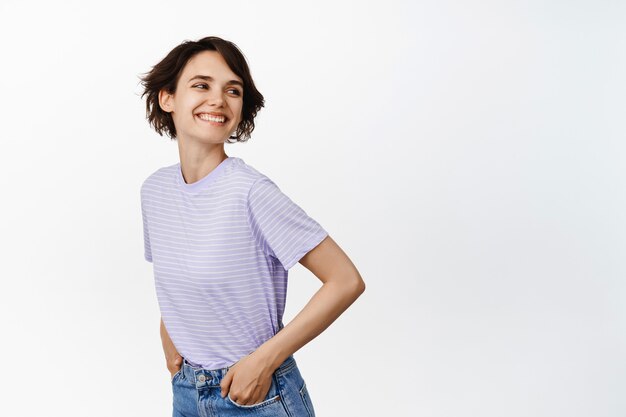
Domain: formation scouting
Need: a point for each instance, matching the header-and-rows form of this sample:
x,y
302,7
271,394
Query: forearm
x,y
326,305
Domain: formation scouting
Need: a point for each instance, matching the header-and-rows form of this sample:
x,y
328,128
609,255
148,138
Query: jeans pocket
x,y
304,394
176,374
271,397
264,403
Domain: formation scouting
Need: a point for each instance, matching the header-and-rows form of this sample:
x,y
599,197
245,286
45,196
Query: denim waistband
x,y
213,377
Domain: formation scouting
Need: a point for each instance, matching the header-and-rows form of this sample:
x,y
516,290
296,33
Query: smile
x,y
213,120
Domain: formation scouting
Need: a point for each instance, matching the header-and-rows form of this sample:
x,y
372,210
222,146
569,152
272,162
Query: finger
x,y
225,384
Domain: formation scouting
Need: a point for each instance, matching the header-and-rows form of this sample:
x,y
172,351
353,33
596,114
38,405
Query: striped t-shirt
x,y
220,249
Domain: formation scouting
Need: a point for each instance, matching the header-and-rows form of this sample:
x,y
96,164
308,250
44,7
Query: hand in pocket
x,y
174,365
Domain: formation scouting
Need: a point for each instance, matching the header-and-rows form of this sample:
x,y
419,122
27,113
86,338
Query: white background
x,y
469,157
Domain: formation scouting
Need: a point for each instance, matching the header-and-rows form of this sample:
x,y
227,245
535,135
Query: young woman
x,y
221,236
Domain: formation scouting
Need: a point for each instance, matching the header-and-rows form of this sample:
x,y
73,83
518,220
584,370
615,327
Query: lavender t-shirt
x,y
220,249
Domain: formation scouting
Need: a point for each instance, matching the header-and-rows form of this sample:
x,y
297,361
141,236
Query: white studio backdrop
x,y
467,155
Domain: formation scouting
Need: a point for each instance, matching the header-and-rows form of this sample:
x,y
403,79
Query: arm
x,y
173,359
342,285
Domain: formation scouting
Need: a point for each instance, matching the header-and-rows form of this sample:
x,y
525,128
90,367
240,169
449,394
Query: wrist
x,y
269,356
172,356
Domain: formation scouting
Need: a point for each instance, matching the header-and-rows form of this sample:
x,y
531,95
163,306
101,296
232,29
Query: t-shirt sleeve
x,y
147,249
280,227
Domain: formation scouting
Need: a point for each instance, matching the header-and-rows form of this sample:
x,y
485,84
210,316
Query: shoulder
x,y
248,175
157,177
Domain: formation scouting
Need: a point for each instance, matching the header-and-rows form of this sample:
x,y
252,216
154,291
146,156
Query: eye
x,y
237,92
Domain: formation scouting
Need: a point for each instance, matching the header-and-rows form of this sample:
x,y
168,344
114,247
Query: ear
x,y
166,101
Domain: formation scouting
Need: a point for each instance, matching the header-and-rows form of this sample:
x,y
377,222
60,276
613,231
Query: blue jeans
x,y
197,393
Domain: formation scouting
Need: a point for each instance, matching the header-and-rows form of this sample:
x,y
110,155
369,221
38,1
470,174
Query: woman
x,y
221,236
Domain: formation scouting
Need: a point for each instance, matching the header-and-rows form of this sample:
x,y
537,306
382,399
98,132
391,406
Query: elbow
x,y
359,285
351,287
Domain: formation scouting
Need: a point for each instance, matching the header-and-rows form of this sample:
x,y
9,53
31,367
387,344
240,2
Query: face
x,y
217,91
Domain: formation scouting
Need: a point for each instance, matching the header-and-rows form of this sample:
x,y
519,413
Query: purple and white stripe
x,y
221,248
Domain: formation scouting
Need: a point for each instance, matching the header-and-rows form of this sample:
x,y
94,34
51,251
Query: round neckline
x,y
202,182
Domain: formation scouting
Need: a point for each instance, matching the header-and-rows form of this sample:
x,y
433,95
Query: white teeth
x,y
208,117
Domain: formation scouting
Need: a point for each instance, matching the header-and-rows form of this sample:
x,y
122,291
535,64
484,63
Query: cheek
x,y
236,106
235,121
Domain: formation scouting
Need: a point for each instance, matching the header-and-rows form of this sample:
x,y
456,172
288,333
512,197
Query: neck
x,y
198,160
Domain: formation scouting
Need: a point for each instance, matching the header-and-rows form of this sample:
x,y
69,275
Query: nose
x,y
216,98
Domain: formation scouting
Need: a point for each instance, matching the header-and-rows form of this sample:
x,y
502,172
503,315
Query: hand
x,y
248,381
174,364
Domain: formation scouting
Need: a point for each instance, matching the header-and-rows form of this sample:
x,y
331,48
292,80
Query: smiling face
x,y
206,86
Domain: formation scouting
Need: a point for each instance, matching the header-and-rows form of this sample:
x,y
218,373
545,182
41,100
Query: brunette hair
x,y
166,73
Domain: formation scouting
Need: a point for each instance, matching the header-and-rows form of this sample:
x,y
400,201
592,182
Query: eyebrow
x,y
209,78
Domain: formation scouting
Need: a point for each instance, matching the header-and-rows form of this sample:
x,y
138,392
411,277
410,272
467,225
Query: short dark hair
x,y
166,73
